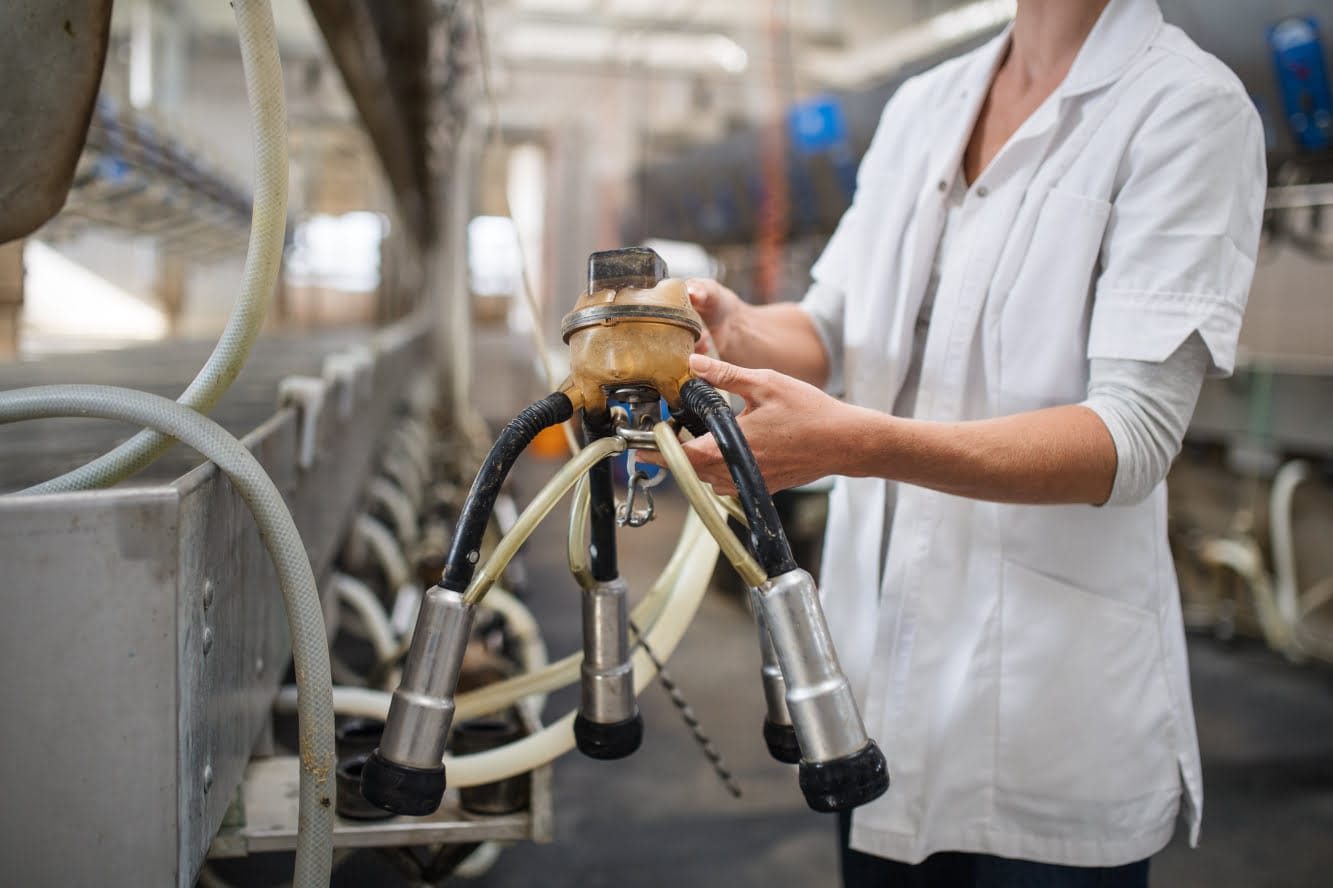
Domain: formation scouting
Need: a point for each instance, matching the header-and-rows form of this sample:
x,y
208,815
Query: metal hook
x,y
626,514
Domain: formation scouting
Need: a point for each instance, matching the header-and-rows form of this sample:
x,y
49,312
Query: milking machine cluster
x,y
630,338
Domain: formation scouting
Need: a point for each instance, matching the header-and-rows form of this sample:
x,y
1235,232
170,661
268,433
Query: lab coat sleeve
x,y
825,307
1179,251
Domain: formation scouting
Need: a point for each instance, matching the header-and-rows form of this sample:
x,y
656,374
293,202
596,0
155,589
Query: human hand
x,y
790,426
719,308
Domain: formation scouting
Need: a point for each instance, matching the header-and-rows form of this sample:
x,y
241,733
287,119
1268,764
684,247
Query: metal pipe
x,y
405,774
609,724
841,767
779,734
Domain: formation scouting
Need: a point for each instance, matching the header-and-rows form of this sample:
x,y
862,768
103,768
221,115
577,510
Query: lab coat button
x,y
982,191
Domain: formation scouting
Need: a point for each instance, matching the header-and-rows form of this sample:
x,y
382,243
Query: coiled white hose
x,y
1283,541
263,258
532,655
365,703
363,601
680,588
398,505
687,591
305,619
384,546
542,504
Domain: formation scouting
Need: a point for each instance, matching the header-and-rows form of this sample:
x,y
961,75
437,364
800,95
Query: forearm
x,y
1055,456
777,337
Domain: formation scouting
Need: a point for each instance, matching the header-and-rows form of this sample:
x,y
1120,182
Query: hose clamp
x,y
611,314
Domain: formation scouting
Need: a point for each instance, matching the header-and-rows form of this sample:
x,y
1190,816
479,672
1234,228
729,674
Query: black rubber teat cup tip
x,y
608,742
845,783
400,788
781,742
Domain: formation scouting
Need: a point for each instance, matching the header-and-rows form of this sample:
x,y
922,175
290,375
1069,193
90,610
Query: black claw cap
x,y
400,788
845,783
608,742
781,742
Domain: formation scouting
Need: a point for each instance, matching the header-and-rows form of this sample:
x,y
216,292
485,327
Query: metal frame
x,y
268,817
145,639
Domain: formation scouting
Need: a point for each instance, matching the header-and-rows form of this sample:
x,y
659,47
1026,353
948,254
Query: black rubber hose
x,y
601,504
691,421
513,440
767,539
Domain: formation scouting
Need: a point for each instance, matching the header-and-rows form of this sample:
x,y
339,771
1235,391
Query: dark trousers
x,y
951,869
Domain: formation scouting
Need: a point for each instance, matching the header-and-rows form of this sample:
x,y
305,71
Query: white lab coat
x,y
1023,667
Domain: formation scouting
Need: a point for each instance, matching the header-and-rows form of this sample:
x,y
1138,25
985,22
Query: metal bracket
x,y
350,372
306,393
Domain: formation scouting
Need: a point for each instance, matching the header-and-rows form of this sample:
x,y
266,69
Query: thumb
x,y
720,374
706,299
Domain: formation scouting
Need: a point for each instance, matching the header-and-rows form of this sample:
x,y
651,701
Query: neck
x,y
1048,34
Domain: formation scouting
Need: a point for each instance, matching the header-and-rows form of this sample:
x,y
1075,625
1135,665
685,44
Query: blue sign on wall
x,y
1298,56
817,125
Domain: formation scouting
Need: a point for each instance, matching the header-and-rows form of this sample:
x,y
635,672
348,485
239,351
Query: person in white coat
x,y
1050,246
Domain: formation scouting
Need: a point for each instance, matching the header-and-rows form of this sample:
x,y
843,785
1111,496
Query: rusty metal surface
x,y
51,57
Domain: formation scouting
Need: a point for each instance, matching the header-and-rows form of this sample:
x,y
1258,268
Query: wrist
x,y
866,436
740,327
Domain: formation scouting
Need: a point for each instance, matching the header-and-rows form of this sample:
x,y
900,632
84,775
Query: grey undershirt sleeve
x,y
825,306
1146,406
